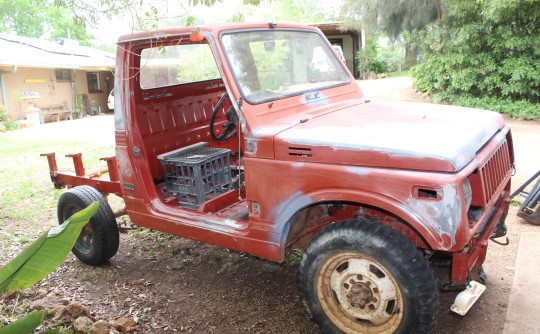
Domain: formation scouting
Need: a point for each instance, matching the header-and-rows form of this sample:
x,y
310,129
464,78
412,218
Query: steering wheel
x,y
229,128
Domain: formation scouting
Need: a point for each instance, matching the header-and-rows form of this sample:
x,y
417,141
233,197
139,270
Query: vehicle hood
x,y
414,136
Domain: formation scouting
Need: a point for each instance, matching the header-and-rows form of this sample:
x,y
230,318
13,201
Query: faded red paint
x,y
63,179
309,160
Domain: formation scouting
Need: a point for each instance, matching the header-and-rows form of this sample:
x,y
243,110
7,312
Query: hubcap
x,y
359,294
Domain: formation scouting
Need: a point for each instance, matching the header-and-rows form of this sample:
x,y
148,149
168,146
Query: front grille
x,y
494,172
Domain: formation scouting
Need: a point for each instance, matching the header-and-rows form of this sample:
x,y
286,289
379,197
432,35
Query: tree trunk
x,y
411,56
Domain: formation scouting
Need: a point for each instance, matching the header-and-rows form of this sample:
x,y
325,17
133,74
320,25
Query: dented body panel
x,y
438,174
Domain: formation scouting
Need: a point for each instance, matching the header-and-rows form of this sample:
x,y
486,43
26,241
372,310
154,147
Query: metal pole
x,y
4,94
3,84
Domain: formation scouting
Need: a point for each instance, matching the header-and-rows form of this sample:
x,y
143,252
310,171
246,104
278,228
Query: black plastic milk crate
x,y
196,173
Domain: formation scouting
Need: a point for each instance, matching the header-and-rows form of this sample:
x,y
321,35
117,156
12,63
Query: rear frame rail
x,y
61,179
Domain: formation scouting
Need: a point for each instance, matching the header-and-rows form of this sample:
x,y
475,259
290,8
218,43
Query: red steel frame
x,y
62,179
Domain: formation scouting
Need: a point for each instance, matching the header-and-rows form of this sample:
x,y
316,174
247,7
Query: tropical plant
x,y
38,260
483,50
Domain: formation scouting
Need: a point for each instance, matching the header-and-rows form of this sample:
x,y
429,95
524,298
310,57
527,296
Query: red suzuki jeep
x,y
256,138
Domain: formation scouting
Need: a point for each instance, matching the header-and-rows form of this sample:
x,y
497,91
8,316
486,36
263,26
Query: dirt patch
x,y
391,89
172,284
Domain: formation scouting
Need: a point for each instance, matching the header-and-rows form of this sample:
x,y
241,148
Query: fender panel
x,y
300,201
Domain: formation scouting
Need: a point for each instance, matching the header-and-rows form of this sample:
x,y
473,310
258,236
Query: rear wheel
x,y
99,238
359,276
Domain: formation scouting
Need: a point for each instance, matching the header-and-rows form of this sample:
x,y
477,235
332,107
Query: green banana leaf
x,y
25,325
41,257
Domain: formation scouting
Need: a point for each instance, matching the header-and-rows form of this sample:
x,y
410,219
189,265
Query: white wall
x,y
347,49
53,93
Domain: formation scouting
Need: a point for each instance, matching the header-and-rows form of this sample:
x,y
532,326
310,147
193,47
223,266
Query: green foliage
x,y
365,56
393,57
252,2
272,64
38,260
399,74
370,60
294,256
46,253
190,20
377,66
202,2
484,53
196,65
516,203
305,11
521,109
35,18
90,13
63,25
3,115
25,325
5,123
390,17
78,103
25,17
238,17
26,189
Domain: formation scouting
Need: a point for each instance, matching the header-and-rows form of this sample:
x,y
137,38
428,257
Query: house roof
x,y
30,52
333,28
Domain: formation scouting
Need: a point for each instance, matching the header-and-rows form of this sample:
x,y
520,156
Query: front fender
x,y
299,201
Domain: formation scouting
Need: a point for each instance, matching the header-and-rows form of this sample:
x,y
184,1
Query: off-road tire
x,y
392,261
99,239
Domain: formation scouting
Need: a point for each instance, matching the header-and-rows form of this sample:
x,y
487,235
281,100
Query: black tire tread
x,y
382,236
103,223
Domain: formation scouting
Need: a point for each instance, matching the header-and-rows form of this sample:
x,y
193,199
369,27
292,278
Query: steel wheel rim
x,y
85,242
359,295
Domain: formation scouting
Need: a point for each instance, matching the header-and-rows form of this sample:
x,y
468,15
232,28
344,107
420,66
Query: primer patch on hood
x,y
451,134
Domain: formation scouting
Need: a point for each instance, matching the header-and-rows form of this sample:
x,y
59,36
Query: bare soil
x,y
171,284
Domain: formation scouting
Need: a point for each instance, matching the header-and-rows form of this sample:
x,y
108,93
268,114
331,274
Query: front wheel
x,y
99,238
359,276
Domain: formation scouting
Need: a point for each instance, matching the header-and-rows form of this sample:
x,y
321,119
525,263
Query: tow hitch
x,y
500,231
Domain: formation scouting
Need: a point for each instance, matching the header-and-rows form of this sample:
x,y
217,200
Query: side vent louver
x,y
300,152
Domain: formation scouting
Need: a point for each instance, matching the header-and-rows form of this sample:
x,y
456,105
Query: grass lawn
x,y
27,196
398,74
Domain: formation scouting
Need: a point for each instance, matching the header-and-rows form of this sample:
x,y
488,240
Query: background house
x,y
349,40
63,74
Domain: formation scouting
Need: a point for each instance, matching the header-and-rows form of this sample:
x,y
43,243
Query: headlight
x,y
467,193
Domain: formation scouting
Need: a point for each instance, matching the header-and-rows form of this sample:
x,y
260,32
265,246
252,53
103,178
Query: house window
x,y
63,74
94,84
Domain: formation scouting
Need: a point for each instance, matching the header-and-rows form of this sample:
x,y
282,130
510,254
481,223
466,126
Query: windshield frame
x,y
325,44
